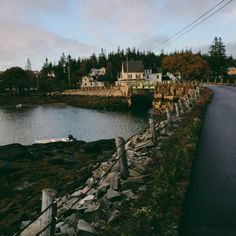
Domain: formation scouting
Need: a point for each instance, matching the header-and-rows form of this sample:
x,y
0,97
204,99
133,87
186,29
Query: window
x,y
130,76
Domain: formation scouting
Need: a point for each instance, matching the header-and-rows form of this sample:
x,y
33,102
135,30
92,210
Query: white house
x,y
131,72
89,82
51,74
97,72
153,77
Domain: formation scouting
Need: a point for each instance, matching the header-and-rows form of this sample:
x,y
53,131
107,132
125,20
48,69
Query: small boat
x,y
70,138
18,106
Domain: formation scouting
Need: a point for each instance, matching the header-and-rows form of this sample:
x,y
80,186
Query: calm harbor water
x,y
26,125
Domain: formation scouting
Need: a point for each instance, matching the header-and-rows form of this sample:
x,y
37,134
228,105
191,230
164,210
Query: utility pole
x,y
69,57
127,63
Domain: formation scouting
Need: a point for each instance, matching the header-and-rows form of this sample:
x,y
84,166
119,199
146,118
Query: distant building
x,y
154,77
90,82
231,71
94,72
131,72
51,74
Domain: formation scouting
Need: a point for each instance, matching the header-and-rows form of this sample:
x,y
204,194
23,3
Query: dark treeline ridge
x,y
55,76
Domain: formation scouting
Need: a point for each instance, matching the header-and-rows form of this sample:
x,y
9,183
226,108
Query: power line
x,y
183,31
203,20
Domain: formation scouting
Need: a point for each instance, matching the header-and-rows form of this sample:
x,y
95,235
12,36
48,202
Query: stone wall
x,y
101,92
166,95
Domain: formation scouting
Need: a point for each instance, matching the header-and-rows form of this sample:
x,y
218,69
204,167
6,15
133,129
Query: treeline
x,y
82,66
68,71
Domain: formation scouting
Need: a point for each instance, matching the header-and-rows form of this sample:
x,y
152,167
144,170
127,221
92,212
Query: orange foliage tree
x,y
190,66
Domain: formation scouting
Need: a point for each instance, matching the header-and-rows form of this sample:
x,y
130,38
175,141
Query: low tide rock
x,y
85,227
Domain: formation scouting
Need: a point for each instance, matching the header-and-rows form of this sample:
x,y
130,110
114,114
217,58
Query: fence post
x,y
198,91
153,130
181,107
124,169
177,110
186,101
48,197
168,116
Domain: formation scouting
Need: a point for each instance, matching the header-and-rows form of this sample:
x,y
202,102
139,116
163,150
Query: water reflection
x,y
28,124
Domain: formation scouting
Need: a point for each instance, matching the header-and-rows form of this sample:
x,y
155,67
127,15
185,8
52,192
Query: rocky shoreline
x,y
26,170
83,101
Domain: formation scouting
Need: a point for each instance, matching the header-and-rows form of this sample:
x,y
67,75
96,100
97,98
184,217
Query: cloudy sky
x,y
37,29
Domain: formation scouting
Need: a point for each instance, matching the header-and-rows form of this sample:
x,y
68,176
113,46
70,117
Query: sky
x,y
40,29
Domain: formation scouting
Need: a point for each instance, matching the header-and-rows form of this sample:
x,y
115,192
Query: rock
x,y
138,166
88,199
102,191
139,146
69,203
84,227
129,194
59,224
70,231
113,195
72,219
147,161
64,227
76,194
134,173
85,190
92,191
90,181
132,182
92,207
114,217
92,213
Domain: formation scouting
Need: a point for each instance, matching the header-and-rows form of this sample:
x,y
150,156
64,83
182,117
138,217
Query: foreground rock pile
x,y
99,201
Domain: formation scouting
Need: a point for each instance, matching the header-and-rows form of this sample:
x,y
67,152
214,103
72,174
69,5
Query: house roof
x,y
133,66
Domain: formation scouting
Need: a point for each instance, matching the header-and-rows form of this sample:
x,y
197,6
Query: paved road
x,y
210,207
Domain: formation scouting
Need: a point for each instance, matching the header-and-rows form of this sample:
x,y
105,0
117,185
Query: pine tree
x,y
28,64
218,57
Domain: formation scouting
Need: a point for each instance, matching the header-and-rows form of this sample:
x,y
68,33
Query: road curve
x,y
210,205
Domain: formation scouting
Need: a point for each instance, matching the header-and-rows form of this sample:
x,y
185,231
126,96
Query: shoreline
x,y
82,101
27,169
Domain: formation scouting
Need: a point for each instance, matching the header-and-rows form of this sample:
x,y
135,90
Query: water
x,y
26,125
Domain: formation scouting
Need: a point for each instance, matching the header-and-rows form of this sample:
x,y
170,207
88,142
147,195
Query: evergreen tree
x,y
28,64
217,58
